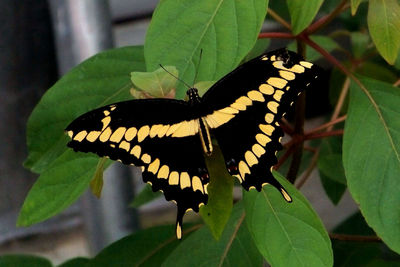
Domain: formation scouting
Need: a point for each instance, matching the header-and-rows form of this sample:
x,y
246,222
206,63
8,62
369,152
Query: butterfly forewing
x,y
247,106
160,135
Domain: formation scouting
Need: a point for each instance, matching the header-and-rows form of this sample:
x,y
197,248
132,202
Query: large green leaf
x,y
220,199
23,261
287,234
354,6
384,25
302,13
149,247
58,187
225,30
234,248
100,80
371,156
75,262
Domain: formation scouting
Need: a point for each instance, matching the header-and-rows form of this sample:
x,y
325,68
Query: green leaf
x,y
333,189
148,247
158,83
259,48
286,234
384,25
225,30
96,183
100,80
58,187
302,13
377,72
220,199
76,262
371,156
145,196
203,86
234,248
23,261
330,159
359,43
354,6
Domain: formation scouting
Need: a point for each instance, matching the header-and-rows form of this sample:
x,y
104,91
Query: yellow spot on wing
x,y
93,135
238,106
118,134
196,184
172,129
163,130
143,133
105,135
80,136
146,158
173,178
153,167
154,130
130,134
178,231
125,145
295,68
286,195
255,96
267,129
269,117
105,122
250,158
238,177
106,112
163,172
262,139
287,75
306,64
278,95
266,89
229,110
258,150
136,150
218,118
112,107
70,134
244,101
243,169
277,82
273,106
186,128
185,180
273,58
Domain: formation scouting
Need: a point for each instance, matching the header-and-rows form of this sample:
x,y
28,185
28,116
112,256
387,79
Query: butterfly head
x,y
193,95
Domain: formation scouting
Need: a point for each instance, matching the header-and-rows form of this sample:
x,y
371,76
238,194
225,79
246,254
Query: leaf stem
x,y
327,125
309,169
324,134
281,35
355,238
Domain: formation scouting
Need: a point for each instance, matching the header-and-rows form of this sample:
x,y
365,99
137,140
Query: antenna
x,y
175,77
198,65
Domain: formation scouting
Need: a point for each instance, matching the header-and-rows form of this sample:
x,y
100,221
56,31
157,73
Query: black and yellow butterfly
x,y
169,138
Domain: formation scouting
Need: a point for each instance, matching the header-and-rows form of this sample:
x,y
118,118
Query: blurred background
x,y
40,41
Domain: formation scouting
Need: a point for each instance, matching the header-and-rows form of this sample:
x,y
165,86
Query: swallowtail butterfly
x,y
170,138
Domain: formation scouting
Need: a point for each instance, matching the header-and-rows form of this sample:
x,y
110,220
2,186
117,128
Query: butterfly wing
x,y
158,134
245,109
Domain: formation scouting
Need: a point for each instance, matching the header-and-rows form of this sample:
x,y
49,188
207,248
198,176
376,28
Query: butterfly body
x,y
170,139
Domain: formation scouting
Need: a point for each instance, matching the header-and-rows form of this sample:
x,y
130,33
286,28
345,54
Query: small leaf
x,y
158,83
333,189
302,13
58,187
330,159
99,80
234,248
354,6
225,31
359,43
145,196
96,183
384,25
286,234
75,262
220,199
23,261
148,247
371,156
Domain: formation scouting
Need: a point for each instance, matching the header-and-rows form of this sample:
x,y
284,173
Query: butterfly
x,y
169,139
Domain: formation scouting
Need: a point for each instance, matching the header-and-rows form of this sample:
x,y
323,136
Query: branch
x,y
282,35
324,134
327,125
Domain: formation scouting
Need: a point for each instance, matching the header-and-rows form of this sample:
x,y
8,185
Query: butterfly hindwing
x,y
247,106
160,135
